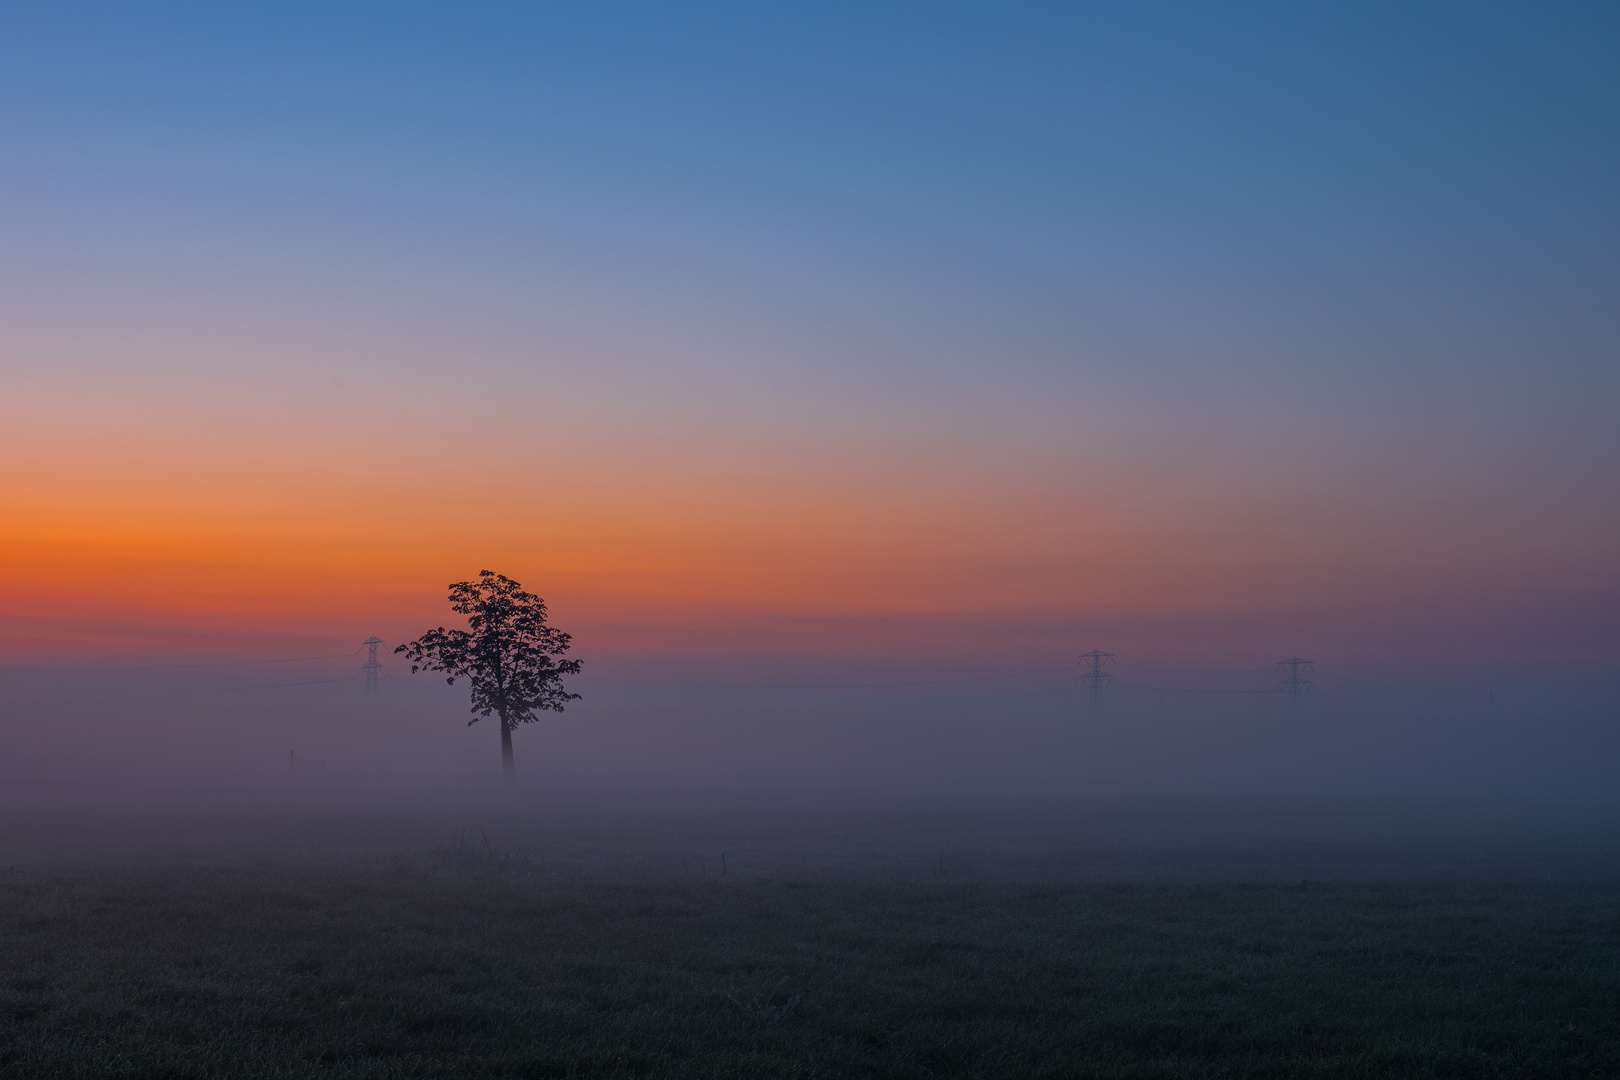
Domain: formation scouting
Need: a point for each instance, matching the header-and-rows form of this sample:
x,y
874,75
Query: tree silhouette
x,y
508,655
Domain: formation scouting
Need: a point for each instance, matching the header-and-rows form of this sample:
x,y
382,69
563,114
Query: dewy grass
x,y
396,973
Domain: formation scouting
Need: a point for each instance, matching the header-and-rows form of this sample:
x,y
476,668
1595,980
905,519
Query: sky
x,y
824,341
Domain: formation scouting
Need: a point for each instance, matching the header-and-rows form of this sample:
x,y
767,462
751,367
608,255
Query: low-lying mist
x,y
208,734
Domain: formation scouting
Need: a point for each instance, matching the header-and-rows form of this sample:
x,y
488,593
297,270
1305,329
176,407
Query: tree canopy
x,y
509,656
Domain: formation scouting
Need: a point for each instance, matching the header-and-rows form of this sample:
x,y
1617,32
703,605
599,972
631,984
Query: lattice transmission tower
x,y
1094,676
1295,684
372,667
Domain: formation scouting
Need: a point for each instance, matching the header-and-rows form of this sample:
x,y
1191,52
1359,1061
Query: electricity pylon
x,y
372,667
1096,678
1294,685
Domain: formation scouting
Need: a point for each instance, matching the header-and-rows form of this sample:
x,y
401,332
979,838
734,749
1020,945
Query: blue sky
x,y
780,345
1349,265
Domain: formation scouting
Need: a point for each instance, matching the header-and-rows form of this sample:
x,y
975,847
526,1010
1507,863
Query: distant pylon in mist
x,y
1294,685
296,764
372,667
1095,677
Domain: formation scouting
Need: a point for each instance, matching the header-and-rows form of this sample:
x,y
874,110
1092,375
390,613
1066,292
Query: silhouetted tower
x,y
1094,676
372,667
1294,685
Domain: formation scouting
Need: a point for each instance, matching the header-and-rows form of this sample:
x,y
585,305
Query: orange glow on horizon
x,y
136,535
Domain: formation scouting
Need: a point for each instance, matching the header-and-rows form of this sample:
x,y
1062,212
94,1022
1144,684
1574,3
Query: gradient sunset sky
x,y
966,333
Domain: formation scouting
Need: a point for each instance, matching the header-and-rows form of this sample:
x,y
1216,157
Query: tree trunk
x,y
508,767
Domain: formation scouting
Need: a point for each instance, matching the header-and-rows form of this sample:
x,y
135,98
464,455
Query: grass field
x,y
465,966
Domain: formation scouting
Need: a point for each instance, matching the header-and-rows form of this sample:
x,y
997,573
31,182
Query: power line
x,y
1299,677
1118,689
830,686
1206,670
273,685
175,667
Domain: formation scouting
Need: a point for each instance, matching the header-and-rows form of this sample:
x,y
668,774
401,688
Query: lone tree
x,y
508,655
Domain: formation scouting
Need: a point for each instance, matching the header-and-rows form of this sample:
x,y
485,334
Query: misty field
x,y
440,969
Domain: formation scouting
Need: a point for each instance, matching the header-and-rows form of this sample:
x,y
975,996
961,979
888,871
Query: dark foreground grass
x,y
260,973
